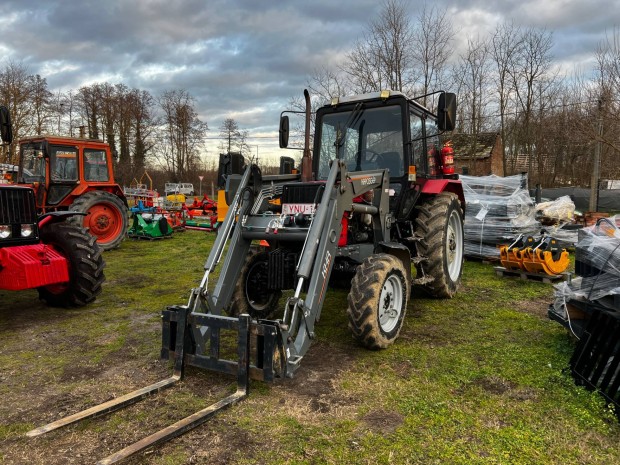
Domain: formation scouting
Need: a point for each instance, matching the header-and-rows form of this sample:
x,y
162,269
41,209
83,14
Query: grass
x,y
478,379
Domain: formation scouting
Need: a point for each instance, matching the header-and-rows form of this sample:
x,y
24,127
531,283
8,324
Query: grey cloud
x,y
245,57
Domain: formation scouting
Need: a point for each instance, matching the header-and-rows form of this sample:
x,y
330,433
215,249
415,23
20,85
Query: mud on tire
x,y
378,301
439,221
251,295
85,266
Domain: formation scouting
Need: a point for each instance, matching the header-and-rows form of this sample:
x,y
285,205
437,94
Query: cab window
x,y
417,138
63,163
95,165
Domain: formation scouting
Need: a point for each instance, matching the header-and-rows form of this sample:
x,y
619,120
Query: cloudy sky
x,y
245,59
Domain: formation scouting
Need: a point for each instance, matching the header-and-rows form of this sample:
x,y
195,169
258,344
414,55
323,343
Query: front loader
x,y
347,216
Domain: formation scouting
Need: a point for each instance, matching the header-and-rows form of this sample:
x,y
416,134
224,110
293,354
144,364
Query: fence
x,y
608,199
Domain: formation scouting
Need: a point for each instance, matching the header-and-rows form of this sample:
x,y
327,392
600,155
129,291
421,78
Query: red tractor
x,y
76,174
62,261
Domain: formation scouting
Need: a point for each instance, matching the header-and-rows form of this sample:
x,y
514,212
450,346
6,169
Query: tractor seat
x,y
393,161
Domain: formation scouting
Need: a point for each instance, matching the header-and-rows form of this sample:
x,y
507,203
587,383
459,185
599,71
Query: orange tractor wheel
x,y
106,217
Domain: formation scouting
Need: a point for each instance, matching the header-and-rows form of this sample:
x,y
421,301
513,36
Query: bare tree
x,y
41,102
235,139
108,97
504,45
382,59
325,84
607,90
183,133
472,75
68,110
431,47
89,108
144,123
16,91
531,68
123,126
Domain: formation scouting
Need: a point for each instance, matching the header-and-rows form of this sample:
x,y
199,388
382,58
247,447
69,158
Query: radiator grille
x,y
17,205
301,193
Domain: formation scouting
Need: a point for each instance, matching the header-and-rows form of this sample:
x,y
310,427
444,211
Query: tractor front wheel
x,y
106,217
251,294
85,264
378,301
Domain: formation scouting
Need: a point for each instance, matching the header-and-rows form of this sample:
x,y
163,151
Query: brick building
x,y
478,156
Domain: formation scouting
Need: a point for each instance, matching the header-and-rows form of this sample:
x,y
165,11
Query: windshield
x,y
33,163
364,139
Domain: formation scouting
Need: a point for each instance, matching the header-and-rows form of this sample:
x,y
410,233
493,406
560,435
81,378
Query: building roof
x,y
468,146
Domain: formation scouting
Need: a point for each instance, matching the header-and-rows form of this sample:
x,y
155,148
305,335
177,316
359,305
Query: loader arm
x,y
319,251
246,221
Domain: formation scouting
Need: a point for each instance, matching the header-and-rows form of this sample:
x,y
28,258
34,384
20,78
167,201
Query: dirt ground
x,y
310,392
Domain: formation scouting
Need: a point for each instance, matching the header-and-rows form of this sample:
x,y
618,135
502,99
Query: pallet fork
x,y
266,349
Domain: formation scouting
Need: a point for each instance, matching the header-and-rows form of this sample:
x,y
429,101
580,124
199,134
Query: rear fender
x,y
437,186
84,188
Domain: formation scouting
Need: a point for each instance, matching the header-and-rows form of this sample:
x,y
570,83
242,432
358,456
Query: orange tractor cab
x,y
76,174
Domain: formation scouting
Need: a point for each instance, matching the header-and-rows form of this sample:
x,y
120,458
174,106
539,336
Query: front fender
x,y
55,217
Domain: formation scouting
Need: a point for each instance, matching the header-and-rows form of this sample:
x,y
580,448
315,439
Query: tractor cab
x,y
386,130
58,166
76,174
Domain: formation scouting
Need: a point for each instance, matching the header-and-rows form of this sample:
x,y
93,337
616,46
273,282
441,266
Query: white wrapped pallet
x,y
498,209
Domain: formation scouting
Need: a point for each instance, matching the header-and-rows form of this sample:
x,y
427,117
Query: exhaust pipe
x,y
306,160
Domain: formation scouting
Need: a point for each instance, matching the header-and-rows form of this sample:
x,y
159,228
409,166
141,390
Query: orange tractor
x,y
76,174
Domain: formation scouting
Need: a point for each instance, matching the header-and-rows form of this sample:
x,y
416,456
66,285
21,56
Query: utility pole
x,y
596,168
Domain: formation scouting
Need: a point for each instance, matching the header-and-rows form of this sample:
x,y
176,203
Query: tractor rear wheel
x,y
378,301
439,221
106,217
251,294
85,266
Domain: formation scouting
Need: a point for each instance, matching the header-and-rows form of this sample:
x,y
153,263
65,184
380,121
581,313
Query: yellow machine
x,y
542,256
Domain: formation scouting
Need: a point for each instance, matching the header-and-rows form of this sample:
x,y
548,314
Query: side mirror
x,y
6,130
446,111
284,131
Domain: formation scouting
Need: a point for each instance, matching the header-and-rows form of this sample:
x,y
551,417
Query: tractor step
x,y
180,320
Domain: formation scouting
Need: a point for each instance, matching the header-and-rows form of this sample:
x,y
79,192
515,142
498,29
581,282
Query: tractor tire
x,y
439,222
85,262
106,217
378,301
251,295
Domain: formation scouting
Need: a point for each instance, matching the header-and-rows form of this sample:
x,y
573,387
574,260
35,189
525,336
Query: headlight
x,y
27,230
5,231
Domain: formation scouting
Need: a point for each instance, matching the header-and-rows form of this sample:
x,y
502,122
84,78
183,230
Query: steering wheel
x,y
375,158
